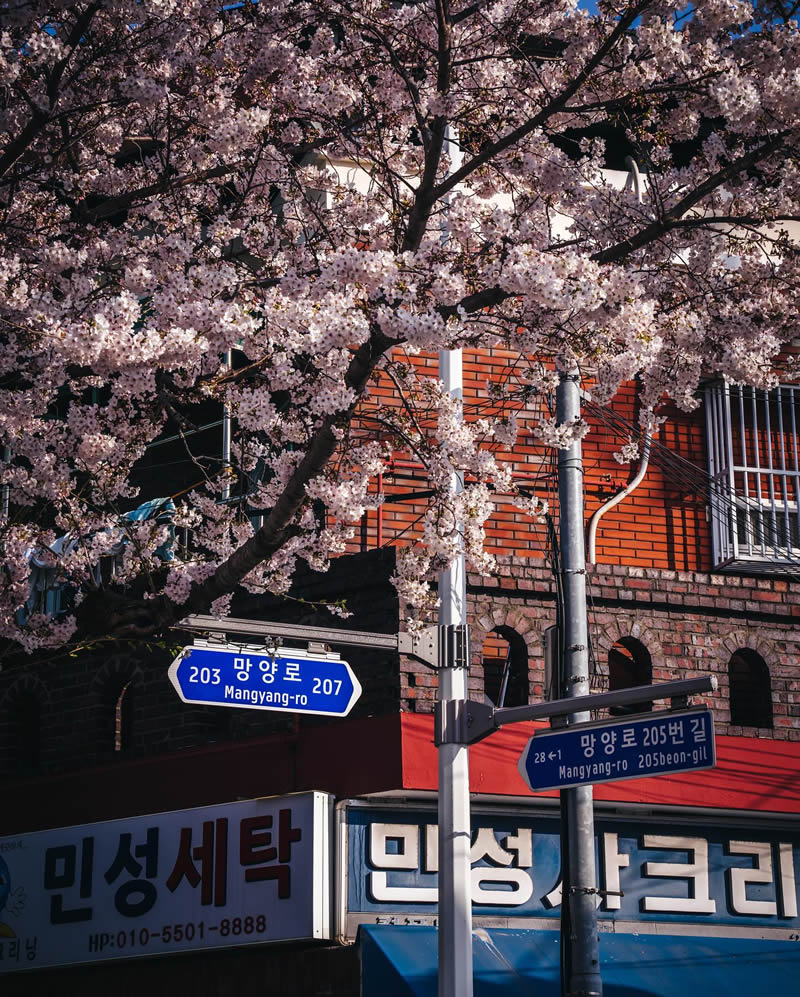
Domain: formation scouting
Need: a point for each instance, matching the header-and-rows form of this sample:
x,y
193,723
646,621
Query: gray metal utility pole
x,y
578,889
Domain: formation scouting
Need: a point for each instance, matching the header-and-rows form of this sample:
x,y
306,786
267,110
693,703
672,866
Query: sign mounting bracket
x,y
423,646
478,720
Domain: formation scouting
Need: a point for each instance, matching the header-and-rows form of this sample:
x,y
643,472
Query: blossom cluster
x,y
256,209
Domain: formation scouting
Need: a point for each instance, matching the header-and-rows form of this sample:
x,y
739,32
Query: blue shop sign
x,y
670,870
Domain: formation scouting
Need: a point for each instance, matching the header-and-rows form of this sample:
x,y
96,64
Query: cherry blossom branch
x,y
285,203
39,118
131,619
426,194
554,106
674,216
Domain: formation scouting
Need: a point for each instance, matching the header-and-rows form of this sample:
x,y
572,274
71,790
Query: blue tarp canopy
x,y
400,961
47,587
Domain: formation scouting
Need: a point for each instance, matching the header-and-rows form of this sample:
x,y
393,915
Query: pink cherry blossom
x,y
327,192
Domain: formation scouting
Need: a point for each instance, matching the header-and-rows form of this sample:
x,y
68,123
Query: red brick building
x,y
694,573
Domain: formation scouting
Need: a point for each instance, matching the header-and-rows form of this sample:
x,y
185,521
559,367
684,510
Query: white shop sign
x,y
253,871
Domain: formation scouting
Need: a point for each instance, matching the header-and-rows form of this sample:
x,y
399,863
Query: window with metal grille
x,y
754,466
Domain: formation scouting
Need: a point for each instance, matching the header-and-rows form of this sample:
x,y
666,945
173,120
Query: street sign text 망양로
x,y
250,678
611,751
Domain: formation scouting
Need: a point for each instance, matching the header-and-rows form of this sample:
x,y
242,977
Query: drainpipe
x,y
591,542
634,178
226,439
634,181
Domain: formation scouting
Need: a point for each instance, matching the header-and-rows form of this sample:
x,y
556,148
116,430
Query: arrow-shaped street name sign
x,y
610,751
250,678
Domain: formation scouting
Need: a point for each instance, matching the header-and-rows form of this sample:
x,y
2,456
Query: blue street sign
x,y
620,749
251,678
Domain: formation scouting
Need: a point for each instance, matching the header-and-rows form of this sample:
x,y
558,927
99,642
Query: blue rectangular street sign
x,y
251,678
610,751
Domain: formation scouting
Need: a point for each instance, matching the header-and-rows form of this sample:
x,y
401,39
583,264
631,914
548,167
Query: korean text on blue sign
x,y
617,750
251,678
713,875
238,873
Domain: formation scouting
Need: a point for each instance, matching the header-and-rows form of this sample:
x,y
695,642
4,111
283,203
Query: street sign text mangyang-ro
x,y
610,751
289,680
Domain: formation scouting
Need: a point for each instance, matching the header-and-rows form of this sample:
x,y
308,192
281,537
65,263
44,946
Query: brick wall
x,y
651,577
663,524
689,622
77,696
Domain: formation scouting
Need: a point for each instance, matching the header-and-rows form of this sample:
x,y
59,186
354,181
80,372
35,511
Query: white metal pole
x,y
455,888
455,894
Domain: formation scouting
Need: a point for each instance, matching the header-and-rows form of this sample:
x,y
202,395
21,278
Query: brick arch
x,y
626,627
109,680
25,685
116,668
523,627
514,619
745,639
773,692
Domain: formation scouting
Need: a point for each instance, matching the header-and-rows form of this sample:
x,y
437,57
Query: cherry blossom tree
x,y
322,186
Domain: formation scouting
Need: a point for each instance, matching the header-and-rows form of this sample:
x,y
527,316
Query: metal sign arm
x,y
471,721
422,646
